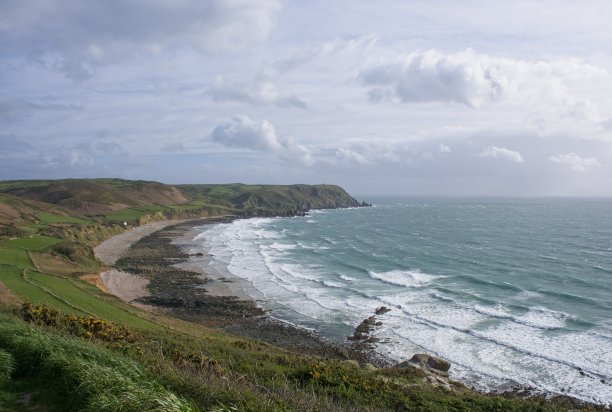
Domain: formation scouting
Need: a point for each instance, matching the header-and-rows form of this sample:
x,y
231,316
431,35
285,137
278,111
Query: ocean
x,y
510,291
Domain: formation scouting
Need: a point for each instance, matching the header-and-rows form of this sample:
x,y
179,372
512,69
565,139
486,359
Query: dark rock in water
x,y
366,326
382,310
432,362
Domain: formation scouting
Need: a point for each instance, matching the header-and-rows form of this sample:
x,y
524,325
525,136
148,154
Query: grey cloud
x,y
13,145
90,33
173,147
12,108
75,70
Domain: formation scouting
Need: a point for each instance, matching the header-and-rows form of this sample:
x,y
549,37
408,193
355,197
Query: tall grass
x,y
6,366
90,377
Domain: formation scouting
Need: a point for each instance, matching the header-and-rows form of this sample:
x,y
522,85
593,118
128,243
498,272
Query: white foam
x,y
489,345
537,317
408,278
283,246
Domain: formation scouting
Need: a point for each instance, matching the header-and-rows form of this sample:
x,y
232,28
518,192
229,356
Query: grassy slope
x,y
172,359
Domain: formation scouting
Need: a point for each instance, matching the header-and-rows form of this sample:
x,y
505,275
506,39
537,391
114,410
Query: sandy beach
x,y
165,270
126,286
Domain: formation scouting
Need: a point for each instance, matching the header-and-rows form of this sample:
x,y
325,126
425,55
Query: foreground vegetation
x,y
98,365
65,345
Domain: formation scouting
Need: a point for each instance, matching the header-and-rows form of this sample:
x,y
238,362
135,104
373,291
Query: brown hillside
x,y
93,197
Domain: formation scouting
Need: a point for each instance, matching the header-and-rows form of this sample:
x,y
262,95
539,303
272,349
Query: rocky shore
x,y
161,273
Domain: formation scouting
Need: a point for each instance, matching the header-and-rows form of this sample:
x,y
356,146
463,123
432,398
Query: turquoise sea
x,y
510,291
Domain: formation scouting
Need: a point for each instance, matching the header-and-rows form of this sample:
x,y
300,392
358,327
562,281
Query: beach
x,y
155,268
126,286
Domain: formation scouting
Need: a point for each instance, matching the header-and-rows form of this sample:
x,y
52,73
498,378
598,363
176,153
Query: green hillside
x,y
270,199
66,345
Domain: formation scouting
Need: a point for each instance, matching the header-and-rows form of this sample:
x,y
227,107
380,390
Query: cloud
x,y
495,152
444,148
576,163
13,145
77,34
173,147
350,155
242,132
470,78
12,108
261,91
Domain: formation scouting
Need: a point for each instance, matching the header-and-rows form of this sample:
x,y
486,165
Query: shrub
x,y
85,327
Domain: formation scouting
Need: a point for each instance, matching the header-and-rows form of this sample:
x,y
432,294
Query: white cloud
x,y
495,152
242,132
576,163
471,79
444,148
349,155
261,91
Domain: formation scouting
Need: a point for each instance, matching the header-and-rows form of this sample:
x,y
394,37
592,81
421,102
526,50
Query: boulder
x,y
382,310
432,362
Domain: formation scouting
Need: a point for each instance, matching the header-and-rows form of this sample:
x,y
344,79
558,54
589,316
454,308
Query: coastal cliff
x,y
113,201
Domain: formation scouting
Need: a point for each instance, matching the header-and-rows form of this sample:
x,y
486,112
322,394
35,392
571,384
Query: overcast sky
x,y
437,97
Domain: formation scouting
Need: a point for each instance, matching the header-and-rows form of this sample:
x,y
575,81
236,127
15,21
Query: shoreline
x,y
156,270
124,285
217,284
224,308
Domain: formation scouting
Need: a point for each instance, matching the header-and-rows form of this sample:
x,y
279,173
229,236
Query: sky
x,y
437,97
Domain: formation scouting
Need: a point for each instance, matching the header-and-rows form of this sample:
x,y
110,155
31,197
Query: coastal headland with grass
x,y
106,305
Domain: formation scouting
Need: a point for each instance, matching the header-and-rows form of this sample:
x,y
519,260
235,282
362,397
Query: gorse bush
x,y
85,327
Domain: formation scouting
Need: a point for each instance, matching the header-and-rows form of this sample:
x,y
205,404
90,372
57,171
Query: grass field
x,y
83,296
13,279
51,218
34,242
132,215
15,257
